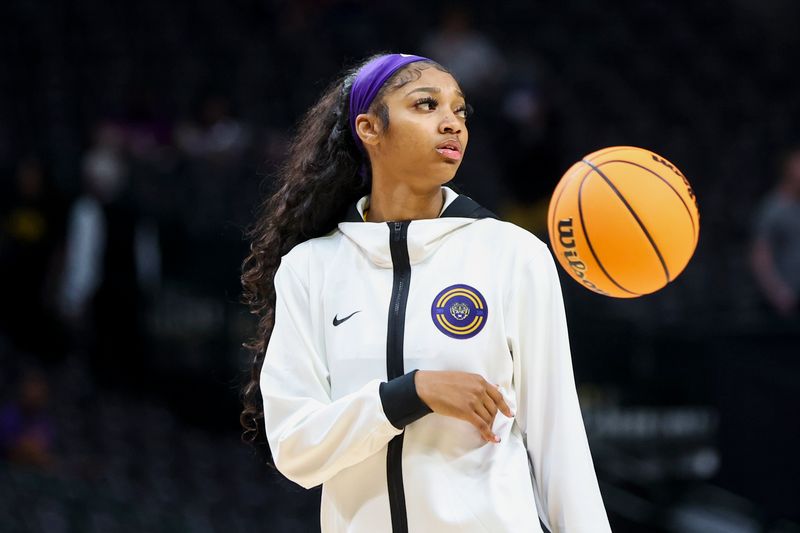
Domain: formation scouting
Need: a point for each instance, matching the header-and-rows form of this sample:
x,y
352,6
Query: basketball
x,y
623,221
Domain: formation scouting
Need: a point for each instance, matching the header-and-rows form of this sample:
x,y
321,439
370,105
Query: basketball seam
x,y
586,234
638,220
656,174
606,151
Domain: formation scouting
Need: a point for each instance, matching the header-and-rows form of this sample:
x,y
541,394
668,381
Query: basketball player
x,y
412,354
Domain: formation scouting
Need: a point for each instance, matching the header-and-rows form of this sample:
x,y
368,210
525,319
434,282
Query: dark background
x,y
178,113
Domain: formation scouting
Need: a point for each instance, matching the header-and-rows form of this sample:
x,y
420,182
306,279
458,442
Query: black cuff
x,y
400,400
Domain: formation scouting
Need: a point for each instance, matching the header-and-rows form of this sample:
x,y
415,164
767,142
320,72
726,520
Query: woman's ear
x,y
367,128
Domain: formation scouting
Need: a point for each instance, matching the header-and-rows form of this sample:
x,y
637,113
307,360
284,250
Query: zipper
x,y
398,246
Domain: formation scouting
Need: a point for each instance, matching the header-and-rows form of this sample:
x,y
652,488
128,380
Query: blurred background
x,y
136,139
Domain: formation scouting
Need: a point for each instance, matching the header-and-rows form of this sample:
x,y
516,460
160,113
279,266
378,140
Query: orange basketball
x,y
623,221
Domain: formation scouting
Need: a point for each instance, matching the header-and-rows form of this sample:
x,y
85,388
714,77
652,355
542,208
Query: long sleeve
x,y
565,485
311,437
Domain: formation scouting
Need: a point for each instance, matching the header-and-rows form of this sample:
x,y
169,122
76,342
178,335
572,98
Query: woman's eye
x,y
430,104
427,104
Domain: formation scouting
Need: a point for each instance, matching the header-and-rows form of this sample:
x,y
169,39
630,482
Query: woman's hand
x,y
462,395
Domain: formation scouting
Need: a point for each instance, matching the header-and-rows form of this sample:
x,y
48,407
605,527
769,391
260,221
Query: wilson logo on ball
x,y
566,237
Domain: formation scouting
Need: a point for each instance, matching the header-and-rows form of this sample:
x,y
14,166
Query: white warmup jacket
x,y
359,310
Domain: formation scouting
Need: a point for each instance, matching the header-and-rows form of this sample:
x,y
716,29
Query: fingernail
x,y
496,438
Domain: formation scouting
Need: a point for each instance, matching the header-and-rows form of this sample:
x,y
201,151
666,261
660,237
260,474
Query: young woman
x,y
412,354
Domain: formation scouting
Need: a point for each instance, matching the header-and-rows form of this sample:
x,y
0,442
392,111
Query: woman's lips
x,y
455,155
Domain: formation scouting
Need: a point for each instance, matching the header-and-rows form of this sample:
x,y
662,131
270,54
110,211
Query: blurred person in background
x,y
31,235
111,256
26,428
214,144
215,135
775,256
528,141
470,54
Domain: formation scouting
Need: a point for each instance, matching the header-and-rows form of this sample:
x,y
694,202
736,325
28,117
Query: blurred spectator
x,y
215,147
26,429
469,54
776,247
112,255
31,222
216,136
528,139
147,131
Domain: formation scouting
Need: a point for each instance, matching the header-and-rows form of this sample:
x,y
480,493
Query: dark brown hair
x,y
314,187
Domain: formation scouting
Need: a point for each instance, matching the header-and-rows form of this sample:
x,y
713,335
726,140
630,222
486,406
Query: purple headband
x,y
368,82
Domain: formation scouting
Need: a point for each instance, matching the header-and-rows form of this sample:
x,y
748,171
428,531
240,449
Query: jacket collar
x,y
424,235
455,205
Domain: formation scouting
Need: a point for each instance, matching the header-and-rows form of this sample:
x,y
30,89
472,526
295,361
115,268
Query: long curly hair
x,y
323,174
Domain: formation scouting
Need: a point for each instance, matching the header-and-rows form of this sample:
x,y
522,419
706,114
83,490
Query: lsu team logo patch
x,y
459,311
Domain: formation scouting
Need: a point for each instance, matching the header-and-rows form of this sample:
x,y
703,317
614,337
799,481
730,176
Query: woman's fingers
x,y
485,413
486,408
483,427
463,395
498,399
491,407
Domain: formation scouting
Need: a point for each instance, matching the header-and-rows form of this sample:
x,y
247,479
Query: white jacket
x,y
356,315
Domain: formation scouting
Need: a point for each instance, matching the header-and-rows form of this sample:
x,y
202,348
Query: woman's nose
x,y
450,124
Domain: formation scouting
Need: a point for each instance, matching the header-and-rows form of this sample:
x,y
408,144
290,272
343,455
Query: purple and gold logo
x,y
459,311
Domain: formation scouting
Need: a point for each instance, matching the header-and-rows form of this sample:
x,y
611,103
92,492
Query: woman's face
x,y
427,134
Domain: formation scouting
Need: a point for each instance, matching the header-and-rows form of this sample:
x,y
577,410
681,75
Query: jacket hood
x,y
424,236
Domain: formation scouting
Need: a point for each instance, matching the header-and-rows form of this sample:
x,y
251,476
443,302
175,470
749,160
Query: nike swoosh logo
x,y
336,321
